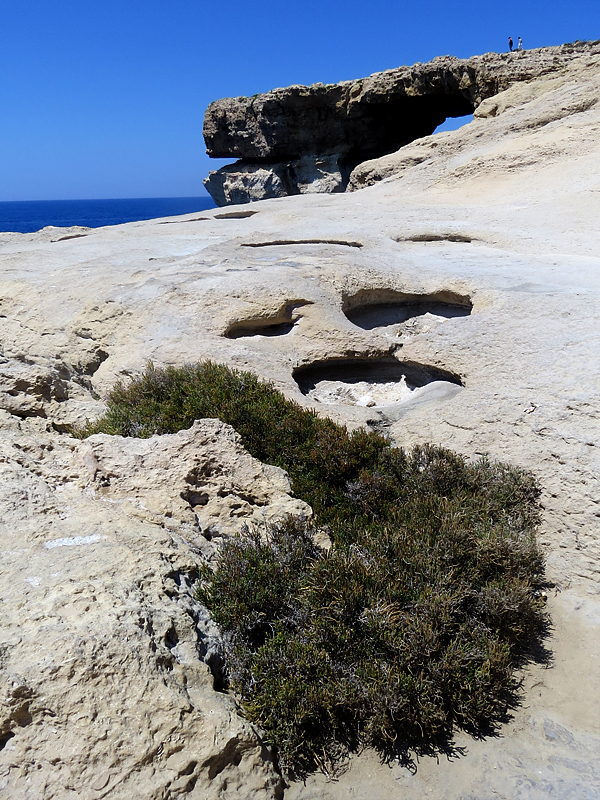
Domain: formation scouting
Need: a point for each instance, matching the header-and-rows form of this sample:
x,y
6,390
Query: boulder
x,y
246,181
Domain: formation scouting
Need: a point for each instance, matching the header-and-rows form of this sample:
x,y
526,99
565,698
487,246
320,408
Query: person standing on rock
x,y
510,44
520,45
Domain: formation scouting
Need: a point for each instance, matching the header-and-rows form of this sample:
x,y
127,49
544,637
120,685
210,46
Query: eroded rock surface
x,y
246,181
476,258
306,139
200,482
107,689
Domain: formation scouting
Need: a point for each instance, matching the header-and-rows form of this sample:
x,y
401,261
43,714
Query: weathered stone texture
x,y
106,687
106,658
246,181
355,120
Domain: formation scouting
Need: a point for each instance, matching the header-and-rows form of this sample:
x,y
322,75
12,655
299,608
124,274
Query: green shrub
x,y
409,626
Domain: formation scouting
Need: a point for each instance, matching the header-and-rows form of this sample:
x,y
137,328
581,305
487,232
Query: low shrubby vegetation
x,y
414,620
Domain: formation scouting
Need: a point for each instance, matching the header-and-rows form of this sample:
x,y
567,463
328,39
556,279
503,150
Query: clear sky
x,y
106,99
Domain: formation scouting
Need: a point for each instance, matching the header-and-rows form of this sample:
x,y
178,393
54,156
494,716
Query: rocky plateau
x,y
451,296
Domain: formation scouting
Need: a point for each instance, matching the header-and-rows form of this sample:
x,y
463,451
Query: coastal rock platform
x,y
452,297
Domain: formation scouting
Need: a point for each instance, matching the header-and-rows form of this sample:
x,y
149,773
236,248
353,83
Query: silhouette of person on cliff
x,y
520,45
510,44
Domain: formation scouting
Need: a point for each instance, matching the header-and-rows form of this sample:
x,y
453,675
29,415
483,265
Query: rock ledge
x,y
306,139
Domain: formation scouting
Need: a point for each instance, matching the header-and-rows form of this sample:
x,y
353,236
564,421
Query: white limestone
x,y
106,690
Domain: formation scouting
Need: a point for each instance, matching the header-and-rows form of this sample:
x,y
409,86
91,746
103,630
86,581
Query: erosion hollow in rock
x,y
458,238
370,382
376,308
179,221
236,215
277,324
281,242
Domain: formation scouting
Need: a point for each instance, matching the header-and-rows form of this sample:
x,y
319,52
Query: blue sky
x,y
106,99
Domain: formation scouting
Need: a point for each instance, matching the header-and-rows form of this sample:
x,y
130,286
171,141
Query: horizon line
x,y
91,199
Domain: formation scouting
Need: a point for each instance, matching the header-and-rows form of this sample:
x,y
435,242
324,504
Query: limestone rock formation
x,y
107,684
521,108
246,181
200,482
277,135
453,299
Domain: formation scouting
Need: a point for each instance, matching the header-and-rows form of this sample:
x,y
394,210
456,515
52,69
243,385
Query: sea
x,y
28,216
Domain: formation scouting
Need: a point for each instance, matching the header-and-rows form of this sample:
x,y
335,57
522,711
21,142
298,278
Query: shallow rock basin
x,y
404,312
363,393
383,315
371,383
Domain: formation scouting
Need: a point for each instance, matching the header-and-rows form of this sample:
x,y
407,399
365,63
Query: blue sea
x,y
32,215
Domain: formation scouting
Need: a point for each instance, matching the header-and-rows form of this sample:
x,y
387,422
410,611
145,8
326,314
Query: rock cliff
x,y
306,139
